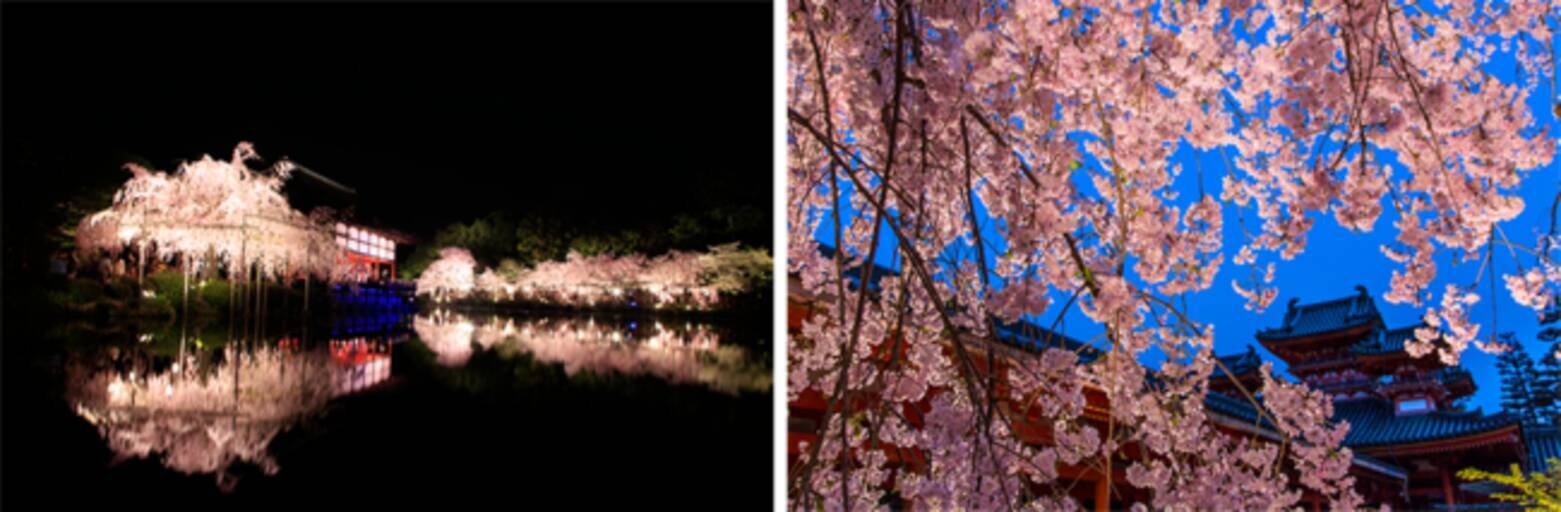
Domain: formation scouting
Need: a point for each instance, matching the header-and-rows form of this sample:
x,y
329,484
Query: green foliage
x,y
734,270
532,239
1534,491
743,223
82,291
122,296
214,293
96,193
168,283
489,239
158,306
1518,379
539,239
510,268
122,288
685,230
621,243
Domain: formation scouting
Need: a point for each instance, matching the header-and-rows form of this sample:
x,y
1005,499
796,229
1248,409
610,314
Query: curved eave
x,y
1380,467
1500,435
1301,370
1399,357
1347,335
1357,463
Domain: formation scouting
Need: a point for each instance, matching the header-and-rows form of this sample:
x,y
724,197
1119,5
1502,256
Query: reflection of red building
x,y
366,254
358,363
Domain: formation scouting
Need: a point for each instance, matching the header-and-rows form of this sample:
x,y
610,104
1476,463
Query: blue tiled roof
x,y
1022,333
1030,335
1238,408
1242,410
1373,423
1543,443
854,273
1385,341
1327,316
1239,364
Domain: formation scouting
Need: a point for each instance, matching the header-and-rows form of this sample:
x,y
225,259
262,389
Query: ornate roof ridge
x,y
1324,316
1385,340
1239,363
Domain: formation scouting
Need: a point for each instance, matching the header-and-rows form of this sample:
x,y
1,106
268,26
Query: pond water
x,y
379,410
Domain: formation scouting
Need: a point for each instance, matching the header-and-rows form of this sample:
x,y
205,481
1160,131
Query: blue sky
x,y
1335,260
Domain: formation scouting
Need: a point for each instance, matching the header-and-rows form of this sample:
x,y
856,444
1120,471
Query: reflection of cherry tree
x,y
449,338
204,421
216,208
690,354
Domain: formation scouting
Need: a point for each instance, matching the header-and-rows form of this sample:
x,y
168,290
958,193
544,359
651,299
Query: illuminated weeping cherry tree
x,y
1018,153
221,209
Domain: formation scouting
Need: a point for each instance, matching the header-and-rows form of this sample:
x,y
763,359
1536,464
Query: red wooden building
x,y
1401,409
1378,480
365,254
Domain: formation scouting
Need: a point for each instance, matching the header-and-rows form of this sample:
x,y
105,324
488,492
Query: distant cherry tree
x,y
450,275
677,278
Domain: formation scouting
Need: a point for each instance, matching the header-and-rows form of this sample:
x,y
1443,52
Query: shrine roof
x,y
1239,364
1234,407
1374,423
853,272
1323,317
1022,333
1385,341
1028,334
1243,411
1543,443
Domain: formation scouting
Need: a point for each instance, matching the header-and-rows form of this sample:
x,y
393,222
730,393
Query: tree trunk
x,y
186,279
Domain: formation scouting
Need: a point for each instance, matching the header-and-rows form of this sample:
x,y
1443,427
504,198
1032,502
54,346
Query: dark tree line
x,y
504,240
1530,389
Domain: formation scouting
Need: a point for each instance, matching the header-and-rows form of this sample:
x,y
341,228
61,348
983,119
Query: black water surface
x,y
512,411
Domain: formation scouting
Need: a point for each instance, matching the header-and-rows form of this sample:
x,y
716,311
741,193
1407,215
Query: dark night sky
x,y
434,113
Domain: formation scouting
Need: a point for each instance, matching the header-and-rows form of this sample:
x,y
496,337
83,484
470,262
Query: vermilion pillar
x,y
1102,495
1447,488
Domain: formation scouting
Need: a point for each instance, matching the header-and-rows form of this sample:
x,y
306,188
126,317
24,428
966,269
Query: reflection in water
x,y
682,354
203,413
450,339
199,410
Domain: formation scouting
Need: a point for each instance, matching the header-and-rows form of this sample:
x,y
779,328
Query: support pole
x,y
1102,495
1447,489
186,276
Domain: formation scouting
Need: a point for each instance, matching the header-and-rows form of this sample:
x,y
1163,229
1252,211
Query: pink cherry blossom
x,y
1013,160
